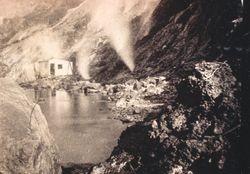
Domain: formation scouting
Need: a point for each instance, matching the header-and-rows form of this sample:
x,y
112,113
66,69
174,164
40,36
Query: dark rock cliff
x,y
182,31
199,46
199,133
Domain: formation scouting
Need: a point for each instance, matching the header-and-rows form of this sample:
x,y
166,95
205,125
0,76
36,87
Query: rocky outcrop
x,y
197,129
31,13
26,145
197,134
135,99
182,31
73,33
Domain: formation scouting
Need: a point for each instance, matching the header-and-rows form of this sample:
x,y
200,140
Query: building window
x,y
60,66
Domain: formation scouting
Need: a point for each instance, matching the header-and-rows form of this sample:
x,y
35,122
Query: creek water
x,y
80,125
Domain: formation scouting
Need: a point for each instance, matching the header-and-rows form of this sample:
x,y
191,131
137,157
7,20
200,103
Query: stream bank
x,y
80,124
178,125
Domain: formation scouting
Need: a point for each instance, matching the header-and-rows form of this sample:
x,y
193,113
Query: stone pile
x,y
134,99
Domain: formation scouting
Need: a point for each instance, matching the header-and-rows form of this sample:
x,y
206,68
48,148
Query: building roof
x,y
59,59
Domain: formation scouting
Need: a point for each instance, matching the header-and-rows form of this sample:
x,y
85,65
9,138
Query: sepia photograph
x,y
124,87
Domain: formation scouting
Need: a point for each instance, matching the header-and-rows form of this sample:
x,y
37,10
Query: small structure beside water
x,y
55,67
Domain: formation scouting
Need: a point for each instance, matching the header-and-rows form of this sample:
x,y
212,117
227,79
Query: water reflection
x,y
80,125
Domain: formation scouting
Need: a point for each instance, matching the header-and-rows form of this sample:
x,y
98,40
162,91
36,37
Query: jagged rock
x,y
181,32
191,136
26,145
186,137
213,81
119,164
135,98
71,168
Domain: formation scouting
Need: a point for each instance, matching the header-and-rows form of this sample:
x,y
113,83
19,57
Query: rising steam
x,y
84,55
22,56
109,19
113,19
108,16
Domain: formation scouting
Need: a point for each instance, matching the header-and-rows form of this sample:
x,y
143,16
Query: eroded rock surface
x,y
182,31
135,99
188,137
26,145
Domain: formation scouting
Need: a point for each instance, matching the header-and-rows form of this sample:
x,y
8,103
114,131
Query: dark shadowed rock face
x,y
26,145
199,133
190,137
182,31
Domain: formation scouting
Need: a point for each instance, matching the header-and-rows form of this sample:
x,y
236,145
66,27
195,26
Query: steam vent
x,y
124,87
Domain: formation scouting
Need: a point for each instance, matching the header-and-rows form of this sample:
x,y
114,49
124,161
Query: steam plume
x,y
108,16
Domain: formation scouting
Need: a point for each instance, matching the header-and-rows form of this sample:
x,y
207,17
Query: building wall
x,y
62,67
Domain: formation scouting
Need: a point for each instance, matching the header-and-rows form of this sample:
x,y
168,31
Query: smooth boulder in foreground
x,y
26,145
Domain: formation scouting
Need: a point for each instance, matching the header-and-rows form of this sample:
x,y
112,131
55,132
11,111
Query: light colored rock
x,y
154,124
177,170
115,164
213,73
179,122
26,145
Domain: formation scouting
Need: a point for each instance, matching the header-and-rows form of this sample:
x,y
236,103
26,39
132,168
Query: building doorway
x,y
52,69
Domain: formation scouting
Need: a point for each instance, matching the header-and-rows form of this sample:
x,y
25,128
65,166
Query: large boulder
x,y
197,132
26,145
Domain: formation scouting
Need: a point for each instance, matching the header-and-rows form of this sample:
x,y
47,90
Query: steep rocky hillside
x,y
198,46
196,131
195,45
79,33
182,32
16,16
